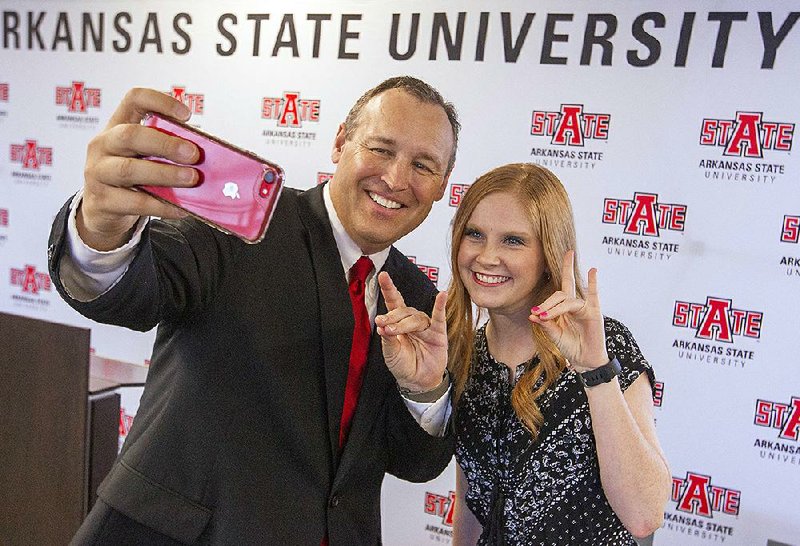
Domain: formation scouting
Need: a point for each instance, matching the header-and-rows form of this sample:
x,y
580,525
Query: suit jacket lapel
x,y
336,313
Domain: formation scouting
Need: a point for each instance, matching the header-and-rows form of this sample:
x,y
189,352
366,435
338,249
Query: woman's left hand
x,y
574,325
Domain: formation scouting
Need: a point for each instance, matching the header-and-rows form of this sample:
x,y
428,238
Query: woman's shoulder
x,y
621,344
618,336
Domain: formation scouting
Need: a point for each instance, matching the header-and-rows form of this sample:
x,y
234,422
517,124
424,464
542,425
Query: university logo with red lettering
x,y
658,393
3,224
77,97
441,506
570,126
785,417
31,281
644,214
645,220
194,101
748,135
696,494
430,271
125,422
4,92
290,110
457,191
717,319
791,229
790,233
31,155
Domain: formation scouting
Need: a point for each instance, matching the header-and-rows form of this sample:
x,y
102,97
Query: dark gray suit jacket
x,y
235,440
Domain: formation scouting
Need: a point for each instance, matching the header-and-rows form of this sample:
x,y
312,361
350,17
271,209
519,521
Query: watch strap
x,y
427,396
601,374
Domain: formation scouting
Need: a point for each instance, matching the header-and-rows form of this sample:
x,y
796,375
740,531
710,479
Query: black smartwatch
x,y
603,374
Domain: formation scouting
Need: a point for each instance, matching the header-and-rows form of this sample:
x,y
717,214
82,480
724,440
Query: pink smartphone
x,y
237,191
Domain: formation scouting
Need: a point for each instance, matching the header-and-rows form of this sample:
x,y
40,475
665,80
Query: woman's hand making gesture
x,y
575,325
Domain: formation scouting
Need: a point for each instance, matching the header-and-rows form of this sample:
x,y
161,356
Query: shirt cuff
x,y
432,416
87,273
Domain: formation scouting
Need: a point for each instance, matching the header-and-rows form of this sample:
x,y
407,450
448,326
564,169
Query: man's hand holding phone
x,y
237,191
114,165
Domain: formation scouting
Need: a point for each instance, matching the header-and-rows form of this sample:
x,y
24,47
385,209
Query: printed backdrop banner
x,y
672,126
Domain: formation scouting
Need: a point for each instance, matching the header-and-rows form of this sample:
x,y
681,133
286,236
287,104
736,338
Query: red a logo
x,y
717,319
290,110
570,126
746,138
125,422
791,429
29,283
695,498
78,97
31,155
716,323
30,280
78,101
451,508
31,158
290,116
439,505
696,495
194,101
643,218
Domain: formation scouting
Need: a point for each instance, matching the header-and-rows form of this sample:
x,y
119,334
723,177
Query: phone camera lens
x,y
269,177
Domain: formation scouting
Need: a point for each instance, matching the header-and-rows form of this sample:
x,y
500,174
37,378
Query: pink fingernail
x,y
534,309
543,314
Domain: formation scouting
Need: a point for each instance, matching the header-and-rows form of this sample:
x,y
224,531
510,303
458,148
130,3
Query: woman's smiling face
x,y
500,259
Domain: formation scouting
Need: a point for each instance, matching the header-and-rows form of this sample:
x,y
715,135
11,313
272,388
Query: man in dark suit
x,y
239,438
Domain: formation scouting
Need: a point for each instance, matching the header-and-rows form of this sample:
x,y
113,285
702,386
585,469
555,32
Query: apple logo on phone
x,y
231,190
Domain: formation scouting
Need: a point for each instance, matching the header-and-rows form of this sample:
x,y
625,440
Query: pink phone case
x,y
237,191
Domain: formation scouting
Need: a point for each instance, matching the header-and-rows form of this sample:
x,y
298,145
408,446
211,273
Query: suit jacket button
x,y
335,500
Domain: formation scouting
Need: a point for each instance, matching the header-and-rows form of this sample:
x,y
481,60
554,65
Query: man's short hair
x,y
415,87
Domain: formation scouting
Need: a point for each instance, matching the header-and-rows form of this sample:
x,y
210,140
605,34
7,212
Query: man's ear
x,y
338,144
443,188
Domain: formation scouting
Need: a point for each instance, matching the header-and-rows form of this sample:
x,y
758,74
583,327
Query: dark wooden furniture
x,y
59,427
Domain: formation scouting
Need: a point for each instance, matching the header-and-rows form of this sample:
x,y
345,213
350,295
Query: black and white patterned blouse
x,y
545,491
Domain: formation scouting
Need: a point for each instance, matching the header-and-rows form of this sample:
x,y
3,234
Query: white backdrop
x,y
671,125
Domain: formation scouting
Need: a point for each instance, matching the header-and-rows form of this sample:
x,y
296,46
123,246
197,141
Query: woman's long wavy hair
x,y
544,197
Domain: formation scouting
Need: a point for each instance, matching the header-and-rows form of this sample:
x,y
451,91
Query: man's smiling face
x,y
391,169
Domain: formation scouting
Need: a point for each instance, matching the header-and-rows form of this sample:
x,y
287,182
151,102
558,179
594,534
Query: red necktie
x,y
360,346
358,349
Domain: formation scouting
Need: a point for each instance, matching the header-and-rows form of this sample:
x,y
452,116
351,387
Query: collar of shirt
x,y
349,252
